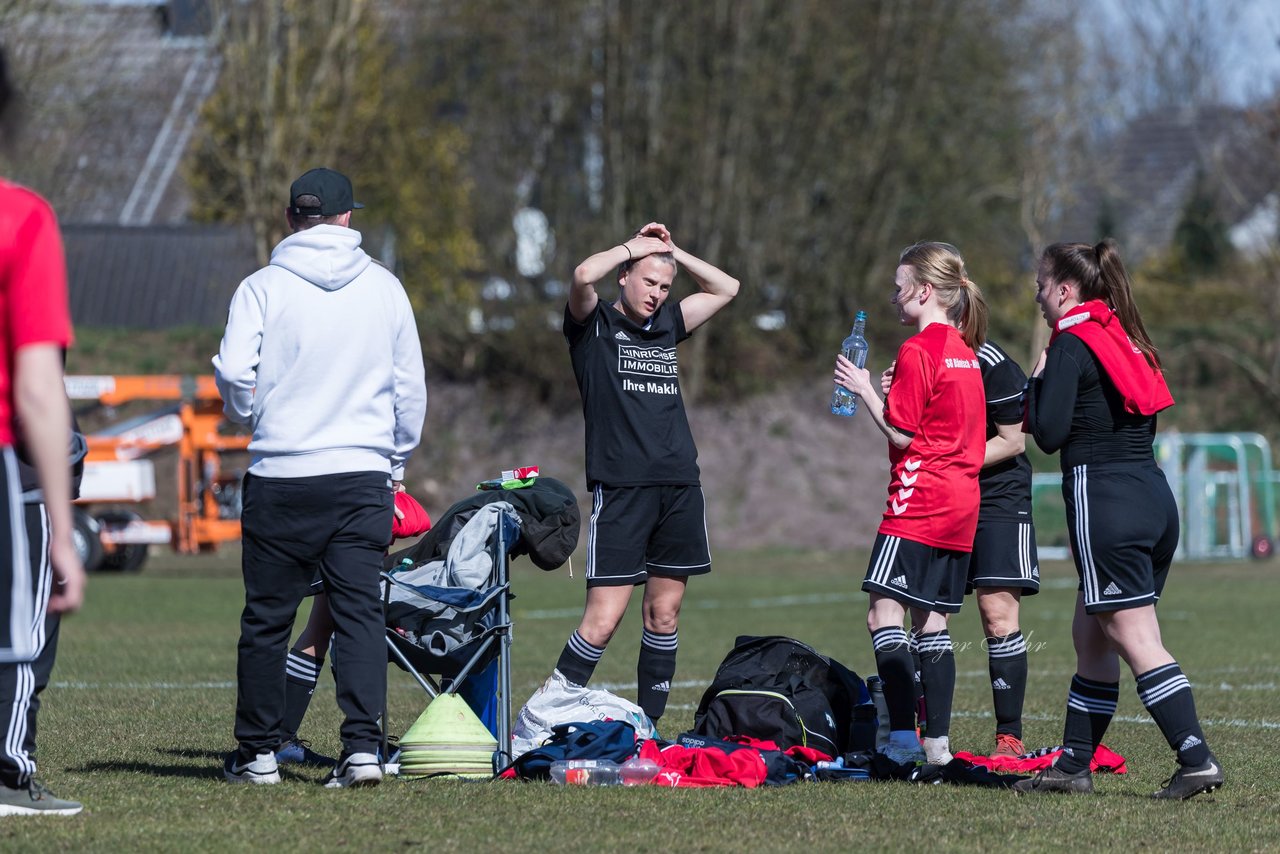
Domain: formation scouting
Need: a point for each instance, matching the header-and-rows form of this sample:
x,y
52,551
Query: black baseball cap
x,y
333,189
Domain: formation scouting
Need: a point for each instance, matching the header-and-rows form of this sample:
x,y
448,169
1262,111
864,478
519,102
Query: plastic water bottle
x,y
586,772
854,348
639,772
865,725
876,688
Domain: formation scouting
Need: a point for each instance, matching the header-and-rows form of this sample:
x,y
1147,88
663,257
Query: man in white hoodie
x,y
321,356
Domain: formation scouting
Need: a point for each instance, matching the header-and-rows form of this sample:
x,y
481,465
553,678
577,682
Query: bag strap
x,y
579,735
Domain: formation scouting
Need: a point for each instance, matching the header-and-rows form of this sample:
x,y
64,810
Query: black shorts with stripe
x,y
638,531
917,575
1004,555
1123,523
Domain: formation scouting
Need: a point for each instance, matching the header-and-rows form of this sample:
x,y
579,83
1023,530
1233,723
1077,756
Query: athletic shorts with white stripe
x,y
1123,523
917,575
1004,555
638,531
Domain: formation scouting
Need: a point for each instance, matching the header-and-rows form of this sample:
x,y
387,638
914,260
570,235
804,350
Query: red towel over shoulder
x,y
1142,386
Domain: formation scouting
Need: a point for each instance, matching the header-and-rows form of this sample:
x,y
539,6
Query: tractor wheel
x,y
85,536
126,558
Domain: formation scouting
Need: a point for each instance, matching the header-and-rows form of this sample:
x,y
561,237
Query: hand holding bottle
x,y
853,355
848,375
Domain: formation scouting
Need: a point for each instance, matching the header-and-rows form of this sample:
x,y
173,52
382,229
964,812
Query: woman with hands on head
x,y
648,521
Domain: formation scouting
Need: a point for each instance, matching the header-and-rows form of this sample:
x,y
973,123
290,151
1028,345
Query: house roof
x,y
114,89
156,277
1151,169
114,100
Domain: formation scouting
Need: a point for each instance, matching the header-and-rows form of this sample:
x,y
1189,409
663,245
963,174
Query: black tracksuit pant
x,y
22,682
342,524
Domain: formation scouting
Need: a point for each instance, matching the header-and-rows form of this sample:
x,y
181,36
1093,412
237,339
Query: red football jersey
x,y
937,396
33,286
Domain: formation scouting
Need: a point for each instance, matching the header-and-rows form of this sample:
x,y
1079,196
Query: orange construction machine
x,y
119,471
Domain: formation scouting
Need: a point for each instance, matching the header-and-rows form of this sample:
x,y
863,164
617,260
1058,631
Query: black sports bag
x,y
779,689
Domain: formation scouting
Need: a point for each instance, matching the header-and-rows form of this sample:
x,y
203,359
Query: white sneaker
x,y
263,770
903,754
937,751
358,769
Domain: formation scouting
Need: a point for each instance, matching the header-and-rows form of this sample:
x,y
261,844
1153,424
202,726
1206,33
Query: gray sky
x,y
1253,70
1244,36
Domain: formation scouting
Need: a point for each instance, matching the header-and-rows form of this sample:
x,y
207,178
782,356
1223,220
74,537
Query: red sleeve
x,y
38,312
913,379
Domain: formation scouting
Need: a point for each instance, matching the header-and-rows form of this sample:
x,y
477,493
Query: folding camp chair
x,y
447,598
451,624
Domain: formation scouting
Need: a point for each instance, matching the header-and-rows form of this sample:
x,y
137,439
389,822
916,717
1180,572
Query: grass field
x,y
142,702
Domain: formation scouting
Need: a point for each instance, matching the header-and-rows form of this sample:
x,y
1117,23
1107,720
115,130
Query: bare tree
x,y
1170,54
1056,166
291,79
339,83
798,144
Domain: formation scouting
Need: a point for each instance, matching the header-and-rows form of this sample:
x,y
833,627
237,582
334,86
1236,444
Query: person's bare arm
x,y
716,289
40,402
858,381
1007,443
582,290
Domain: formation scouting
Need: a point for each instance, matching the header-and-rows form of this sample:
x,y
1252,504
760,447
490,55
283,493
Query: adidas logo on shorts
x,y
1035,572
900,581
1001,685
1190,742
621,336
1112,590
663,687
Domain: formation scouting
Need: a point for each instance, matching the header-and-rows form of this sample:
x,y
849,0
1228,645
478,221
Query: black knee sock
x,y
578,659
301,673
920,711
893,663
938,678
654,669
1090,707
1007,664
1167,695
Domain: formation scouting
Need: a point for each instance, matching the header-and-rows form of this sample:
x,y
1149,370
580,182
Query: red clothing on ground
x,y
1105,761
807,755
937,396
33,286
700,767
